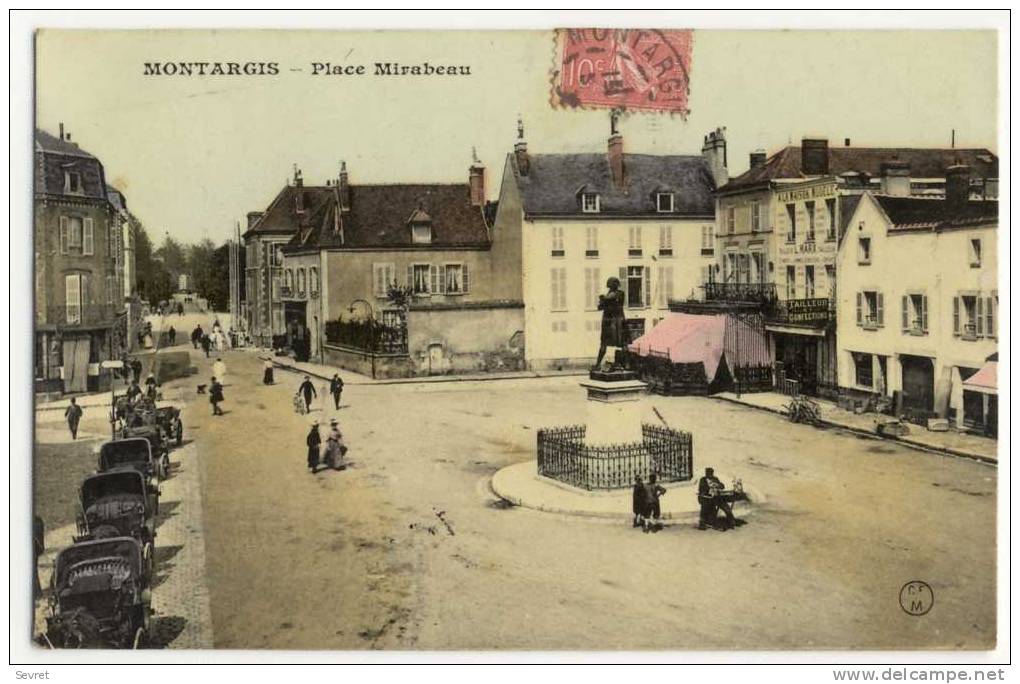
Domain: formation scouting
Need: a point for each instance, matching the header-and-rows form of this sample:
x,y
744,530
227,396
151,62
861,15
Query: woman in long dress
x,y
267,374
335,447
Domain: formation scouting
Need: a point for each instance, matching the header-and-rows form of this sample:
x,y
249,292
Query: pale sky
x,y
194,155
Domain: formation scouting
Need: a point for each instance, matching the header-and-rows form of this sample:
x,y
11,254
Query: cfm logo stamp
x,y
916,598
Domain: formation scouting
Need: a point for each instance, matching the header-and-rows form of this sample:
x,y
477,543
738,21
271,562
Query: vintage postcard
x,y
588,339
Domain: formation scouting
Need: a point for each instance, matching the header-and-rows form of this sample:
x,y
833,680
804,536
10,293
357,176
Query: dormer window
x,y
664,202
589,202
421,234
72,183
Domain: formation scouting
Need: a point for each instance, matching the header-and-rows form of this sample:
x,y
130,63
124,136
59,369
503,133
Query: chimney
x,y
758,158
476,181
957,187
714,152
521,150
344,192
61,130
298,180
814,156
253,216
846,142
896,178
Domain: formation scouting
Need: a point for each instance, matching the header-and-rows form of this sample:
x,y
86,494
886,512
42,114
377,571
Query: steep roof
x,y
45,142
380,216
924,163
282,217
919,213
554,182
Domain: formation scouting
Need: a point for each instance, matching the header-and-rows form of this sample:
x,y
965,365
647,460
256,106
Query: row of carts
x,y
101,585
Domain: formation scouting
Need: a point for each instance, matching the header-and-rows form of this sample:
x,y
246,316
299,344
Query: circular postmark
x,y
916,598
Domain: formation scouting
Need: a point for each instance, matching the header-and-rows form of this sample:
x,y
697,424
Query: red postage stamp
x,y
644,69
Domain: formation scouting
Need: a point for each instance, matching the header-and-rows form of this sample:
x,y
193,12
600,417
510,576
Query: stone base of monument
x,y
521,485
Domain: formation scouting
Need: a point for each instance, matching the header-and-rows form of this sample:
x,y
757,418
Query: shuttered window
x,y
665,288
592,285
991,303
383,276
64,234
73,298
558,283
88,241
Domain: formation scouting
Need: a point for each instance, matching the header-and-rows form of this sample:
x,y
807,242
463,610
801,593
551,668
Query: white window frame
x,y
591,242
429,272
809,209
665,240
665,286
731,220
634,242
313,281
68,190
659,196
809,282
558,289
831,209
384,275
791,222
590,202
445,280
73,309
755,216
592,288
556,249
301,282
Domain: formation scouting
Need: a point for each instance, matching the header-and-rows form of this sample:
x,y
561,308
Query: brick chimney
x,y
714,152
814,156
521,150
896,178
957,187
476,181
343,188
758,158
253,216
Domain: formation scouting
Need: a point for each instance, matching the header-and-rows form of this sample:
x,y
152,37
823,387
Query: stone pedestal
x,y
614,409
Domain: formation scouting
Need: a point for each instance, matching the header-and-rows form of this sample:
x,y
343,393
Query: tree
x,y
152,281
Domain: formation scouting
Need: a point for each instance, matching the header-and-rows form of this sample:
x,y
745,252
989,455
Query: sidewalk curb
x,y
909,443
428,380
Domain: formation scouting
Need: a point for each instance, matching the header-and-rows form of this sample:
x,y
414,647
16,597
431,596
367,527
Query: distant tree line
x,y
158,268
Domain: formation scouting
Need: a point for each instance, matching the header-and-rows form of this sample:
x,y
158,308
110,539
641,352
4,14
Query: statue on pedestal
x,y
614,324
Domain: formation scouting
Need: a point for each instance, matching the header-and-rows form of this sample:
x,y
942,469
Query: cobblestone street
x,y
409,549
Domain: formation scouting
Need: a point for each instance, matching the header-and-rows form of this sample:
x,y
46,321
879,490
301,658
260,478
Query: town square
x,y
569,352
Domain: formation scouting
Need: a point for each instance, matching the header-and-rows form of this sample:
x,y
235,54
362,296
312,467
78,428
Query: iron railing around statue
x,y
563,456
368,335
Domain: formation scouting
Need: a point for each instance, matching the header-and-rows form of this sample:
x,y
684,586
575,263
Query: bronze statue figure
x,y
614,326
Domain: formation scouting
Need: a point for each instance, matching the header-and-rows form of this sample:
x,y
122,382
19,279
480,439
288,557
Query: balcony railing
x,y
740,292
89,314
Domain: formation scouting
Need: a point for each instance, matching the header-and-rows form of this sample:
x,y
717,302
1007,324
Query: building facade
x,y
778,228
80,314
918,303
583,218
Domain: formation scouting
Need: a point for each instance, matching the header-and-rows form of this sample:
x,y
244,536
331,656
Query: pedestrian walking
x,y
267,373
220,370
314,443
336,387
307,391
206,345
335,447
172,335
152,392
216,396
136,370
196,336
73,415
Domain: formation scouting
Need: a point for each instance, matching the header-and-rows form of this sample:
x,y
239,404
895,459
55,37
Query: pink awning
x,y
985,380
686,338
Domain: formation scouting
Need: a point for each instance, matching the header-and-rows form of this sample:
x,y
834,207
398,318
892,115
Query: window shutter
x,y
442,279
906,312
88,238
433,278
377,272
464,278
63,234
956,315
860,297
623,284
980,316
924,313
648,287
410,275
554,283
990,317
881,312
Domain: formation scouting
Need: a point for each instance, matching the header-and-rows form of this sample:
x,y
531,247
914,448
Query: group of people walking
x,y
332,453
